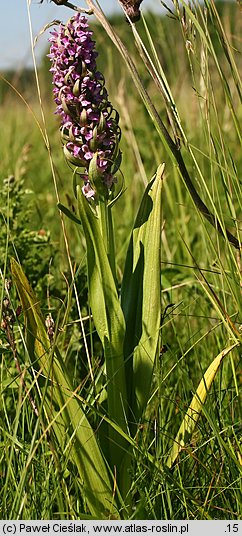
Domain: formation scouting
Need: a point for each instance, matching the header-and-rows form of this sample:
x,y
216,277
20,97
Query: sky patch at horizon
x,y
15,44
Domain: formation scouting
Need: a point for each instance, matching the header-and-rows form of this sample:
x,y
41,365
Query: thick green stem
x,y
108,234
110,325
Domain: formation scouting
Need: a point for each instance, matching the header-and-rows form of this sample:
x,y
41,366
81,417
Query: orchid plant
x,y
90,135
128,323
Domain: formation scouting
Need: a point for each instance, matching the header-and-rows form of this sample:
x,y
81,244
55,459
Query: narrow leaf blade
x,y
193,413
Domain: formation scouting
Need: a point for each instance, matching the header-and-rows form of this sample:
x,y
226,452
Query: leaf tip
x,y
160,170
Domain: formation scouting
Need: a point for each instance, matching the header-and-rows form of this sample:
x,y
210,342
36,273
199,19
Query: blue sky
x,y
15,51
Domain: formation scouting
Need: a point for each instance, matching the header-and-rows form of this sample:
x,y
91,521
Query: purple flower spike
x,y
89,125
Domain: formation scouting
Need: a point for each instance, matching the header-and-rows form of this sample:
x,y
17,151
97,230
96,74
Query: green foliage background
x,y
206,484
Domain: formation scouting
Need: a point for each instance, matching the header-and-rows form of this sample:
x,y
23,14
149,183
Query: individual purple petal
x,y
88,191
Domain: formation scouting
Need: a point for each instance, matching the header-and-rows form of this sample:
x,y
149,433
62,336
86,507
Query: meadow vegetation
x,y
192,57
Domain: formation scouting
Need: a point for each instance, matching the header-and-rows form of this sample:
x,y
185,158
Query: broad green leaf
x,y
69,421
109,322
141,296
192,415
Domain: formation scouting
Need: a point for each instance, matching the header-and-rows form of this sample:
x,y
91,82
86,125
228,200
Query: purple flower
x,y
89,124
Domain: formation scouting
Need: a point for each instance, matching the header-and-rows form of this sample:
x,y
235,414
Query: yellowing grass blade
x,y
69,422
192,415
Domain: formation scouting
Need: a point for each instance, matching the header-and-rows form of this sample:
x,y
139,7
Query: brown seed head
x,y
131,8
